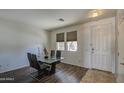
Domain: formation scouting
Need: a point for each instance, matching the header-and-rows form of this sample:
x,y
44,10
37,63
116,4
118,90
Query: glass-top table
x,y
51,61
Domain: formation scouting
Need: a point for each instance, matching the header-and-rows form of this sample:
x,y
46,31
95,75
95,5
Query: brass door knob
x,y
122,63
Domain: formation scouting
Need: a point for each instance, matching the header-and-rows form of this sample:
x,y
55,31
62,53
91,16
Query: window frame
x,y
65,42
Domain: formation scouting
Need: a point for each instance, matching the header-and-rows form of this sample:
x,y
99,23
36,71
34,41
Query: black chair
x,y
58,54
35,64
52,54
30,60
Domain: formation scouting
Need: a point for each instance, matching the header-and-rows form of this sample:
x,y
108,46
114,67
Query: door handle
x,y
93,49
122,63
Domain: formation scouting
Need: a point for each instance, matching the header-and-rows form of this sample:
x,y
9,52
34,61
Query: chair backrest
x,y
35,62
52,53
58,54
29,55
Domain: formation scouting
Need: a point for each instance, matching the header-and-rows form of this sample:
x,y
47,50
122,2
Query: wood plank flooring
x,y
65,73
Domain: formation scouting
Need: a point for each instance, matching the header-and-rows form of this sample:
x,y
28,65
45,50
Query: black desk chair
x,y
58,54
30,60
35,64
52,54
55,53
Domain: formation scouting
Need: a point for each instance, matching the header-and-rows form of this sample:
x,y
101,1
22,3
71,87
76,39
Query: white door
x,y
120,65
85,47
121,54
102,47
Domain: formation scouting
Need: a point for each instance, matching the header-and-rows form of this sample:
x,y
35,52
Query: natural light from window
x,y
60,45
72,46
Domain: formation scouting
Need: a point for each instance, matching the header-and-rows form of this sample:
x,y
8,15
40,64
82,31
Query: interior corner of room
x,y
89,43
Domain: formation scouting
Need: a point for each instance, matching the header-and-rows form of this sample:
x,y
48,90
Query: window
x,y
72,41
72,46
60,44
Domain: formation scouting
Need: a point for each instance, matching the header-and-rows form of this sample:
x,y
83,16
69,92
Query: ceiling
x,y
47,19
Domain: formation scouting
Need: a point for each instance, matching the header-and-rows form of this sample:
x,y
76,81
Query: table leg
x,y
53,68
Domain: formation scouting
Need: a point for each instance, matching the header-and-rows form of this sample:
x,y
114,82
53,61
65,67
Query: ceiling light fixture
x,y
95,13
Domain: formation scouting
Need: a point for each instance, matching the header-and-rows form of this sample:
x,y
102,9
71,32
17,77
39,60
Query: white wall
x,y
16,39
82,56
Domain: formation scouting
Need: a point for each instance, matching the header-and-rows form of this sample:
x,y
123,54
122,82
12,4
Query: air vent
x,y
61,19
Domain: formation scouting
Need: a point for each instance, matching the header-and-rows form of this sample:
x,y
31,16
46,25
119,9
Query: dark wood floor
x,y
65,73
